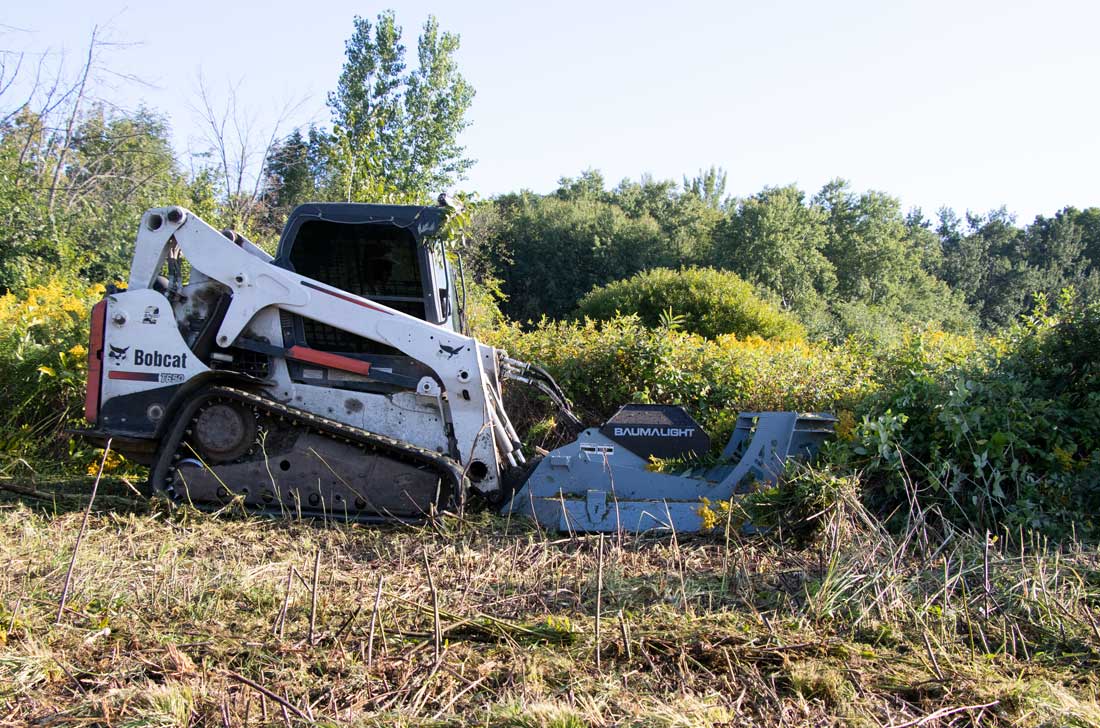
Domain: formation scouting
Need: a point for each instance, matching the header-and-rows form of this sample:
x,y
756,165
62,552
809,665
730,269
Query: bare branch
x,y
7,78
216,133
289,108
238,143
72,119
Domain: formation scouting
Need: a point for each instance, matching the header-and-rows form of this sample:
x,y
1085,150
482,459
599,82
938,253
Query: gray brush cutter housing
x,y
602,480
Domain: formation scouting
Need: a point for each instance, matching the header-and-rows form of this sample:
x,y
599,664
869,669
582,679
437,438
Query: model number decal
x,y
161,377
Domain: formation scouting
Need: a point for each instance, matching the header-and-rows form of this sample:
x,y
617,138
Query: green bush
x,y
43,361
1006,434
603,365
886,325
703,301
482,301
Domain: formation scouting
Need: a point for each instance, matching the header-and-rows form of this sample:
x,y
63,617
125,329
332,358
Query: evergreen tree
x,y
289,173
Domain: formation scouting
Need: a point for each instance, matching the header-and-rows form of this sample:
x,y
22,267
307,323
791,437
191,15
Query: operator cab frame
x,y
390,254
385,253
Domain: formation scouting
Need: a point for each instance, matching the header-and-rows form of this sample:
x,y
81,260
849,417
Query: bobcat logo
x,y
118,353
450,351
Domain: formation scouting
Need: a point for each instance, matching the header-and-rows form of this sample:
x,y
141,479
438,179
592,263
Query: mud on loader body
x,y
335,379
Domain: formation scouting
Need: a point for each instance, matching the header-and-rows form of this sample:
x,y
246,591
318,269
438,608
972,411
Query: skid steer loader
x,y
335,379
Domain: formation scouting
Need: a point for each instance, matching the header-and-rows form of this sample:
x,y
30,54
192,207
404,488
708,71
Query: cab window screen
x,y
367,260
374,261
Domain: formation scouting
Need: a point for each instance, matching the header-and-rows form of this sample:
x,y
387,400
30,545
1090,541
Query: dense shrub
x,y
702,300
602,365
480,306
997,433
43,360
886,325
560,250
1005,433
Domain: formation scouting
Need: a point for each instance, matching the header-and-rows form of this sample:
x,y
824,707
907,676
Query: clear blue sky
x,y
968,104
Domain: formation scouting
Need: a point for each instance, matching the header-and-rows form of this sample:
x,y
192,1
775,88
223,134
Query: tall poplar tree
x,y
395,130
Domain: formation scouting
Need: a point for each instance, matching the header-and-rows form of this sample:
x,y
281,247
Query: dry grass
x,y
184,618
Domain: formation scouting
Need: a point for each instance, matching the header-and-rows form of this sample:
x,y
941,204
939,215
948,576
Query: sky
x,y
966,104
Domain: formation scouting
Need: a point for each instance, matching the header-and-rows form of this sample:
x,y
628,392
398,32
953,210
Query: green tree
x,y
561,249
709,187
923,241
867,242
436,100
289,172
999,267
114,167
965,261
395,132
1006,280
119,166
28,241
775,240
589,185
1089,222
1054,248
550,250
686,221
916,304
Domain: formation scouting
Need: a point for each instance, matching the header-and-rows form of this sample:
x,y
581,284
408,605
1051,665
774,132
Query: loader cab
x,y
386,253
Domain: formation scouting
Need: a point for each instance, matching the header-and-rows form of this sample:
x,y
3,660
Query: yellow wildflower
x,y
113,463
846,425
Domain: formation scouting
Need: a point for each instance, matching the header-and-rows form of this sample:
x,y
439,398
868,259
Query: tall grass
x,y
181,620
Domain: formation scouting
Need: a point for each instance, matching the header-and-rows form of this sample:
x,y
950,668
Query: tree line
x,y
76,173
844,261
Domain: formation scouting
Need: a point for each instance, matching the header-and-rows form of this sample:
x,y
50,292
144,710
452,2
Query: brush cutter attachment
x,y
605,481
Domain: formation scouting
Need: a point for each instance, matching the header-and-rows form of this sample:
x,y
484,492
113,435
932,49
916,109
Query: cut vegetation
x,y
184,618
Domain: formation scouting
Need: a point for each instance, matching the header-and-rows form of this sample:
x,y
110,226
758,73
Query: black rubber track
x,y
453,484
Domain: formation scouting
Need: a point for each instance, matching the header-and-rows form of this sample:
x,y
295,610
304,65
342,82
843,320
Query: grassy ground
x,y
182,618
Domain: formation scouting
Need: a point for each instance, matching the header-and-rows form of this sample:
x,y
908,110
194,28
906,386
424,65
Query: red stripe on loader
x,y
345,297
325,359
134,376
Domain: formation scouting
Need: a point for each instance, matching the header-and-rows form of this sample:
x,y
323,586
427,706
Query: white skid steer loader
x,y
335,380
